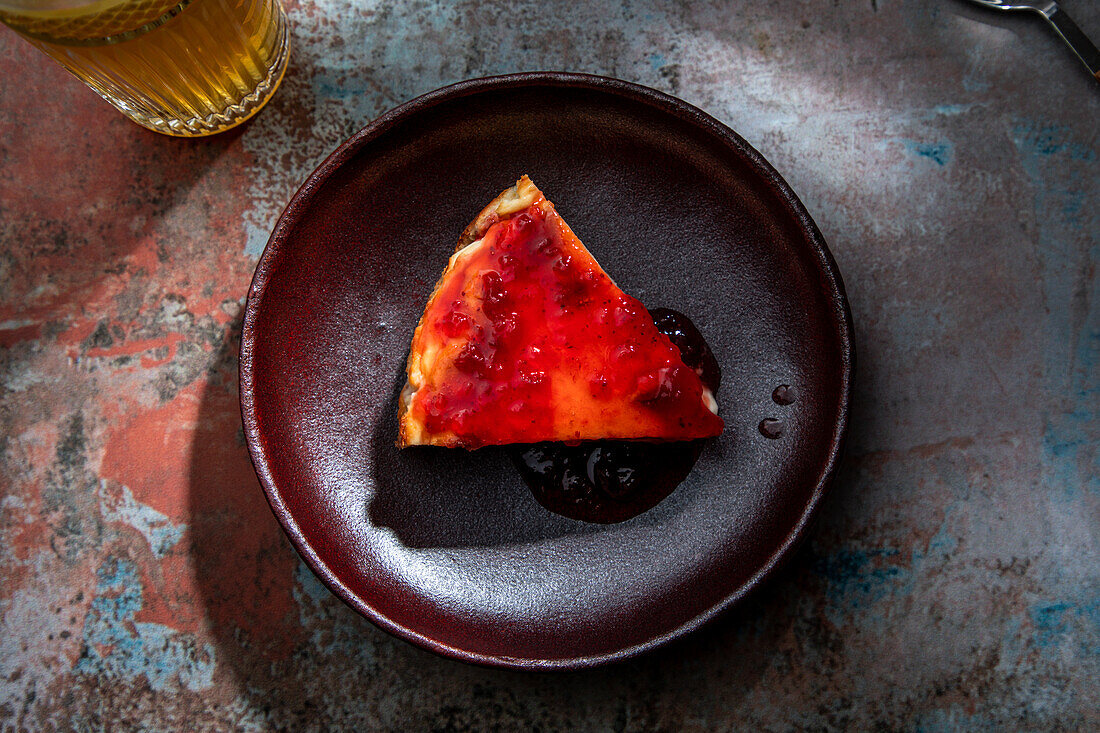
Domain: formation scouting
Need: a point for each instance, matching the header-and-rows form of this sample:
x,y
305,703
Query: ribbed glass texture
x,y
182,67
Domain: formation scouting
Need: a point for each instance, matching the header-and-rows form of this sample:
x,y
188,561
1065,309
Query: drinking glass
x,y
180,67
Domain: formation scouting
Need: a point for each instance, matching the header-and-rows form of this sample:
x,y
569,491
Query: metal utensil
x,y
1074,37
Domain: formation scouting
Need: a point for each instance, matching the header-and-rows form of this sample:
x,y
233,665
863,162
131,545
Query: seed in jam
x,y
599,385
546,248
472,360
493,293
454,324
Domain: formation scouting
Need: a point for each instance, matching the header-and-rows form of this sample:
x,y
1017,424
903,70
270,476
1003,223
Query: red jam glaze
x,y
537,318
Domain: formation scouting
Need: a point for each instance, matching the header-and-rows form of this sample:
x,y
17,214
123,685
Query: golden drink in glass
x,y
181,67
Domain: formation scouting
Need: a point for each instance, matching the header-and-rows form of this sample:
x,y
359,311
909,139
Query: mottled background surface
x,y
949,155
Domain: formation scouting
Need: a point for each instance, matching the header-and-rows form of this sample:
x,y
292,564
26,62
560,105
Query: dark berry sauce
x,y
607,481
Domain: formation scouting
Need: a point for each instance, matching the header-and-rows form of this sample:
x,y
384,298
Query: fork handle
x,y
1076,39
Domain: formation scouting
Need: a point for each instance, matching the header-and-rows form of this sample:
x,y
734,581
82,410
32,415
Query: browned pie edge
x,y
495,211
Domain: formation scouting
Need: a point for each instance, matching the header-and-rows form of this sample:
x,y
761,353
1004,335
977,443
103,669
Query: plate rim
x,y
833,287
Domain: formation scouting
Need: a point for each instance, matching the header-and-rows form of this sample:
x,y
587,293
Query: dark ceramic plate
x,y
447,548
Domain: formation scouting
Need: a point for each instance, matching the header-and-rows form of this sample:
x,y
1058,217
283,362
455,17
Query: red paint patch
x,y
233,569
171,597
148,362
150,453
12,336
130,348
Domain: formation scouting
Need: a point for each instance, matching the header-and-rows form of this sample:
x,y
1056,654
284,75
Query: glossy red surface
x,y
447,548
537,343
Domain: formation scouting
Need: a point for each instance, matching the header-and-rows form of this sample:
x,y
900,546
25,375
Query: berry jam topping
x,y
613,480
531,340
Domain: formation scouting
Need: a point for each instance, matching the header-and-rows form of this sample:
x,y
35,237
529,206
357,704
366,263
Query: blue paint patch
x,y
338,84
310,584
338,87
950,110
161,533
939,153
1055,624
1070,450
857,579
255,240
1090,613
1074,205
1050,140
656,61
943,542
1049,623
1062,173
972,84
116,646
333,627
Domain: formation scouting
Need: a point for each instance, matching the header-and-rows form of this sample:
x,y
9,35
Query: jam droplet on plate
x,y
771,427
784,394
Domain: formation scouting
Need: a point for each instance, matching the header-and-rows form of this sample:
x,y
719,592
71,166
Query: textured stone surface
x,y
950,156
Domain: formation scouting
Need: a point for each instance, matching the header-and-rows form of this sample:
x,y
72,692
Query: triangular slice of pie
x,y
526,339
